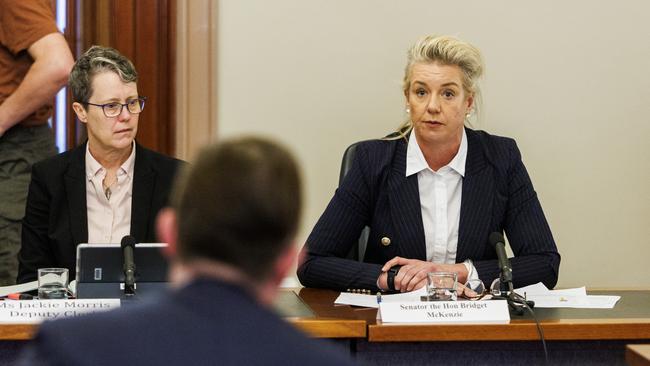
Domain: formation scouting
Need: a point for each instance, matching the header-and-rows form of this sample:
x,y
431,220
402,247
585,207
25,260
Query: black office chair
x,y
357,251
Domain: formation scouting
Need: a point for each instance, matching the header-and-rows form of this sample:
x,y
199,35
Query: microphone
x,y
516,302
127,244
497,241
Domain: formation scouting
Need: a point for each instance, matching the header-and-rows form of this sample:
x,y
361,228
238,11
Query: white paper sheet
x,y
540,289
582,302
566,298
370,301
16,289
536,289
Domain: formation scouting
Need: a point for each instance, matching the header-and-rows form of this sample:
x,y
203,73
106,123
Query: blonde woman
x,y
433,192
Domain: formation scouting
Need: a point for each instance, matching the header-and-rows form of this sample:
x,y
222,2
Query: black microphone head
x,y
495,238
128,241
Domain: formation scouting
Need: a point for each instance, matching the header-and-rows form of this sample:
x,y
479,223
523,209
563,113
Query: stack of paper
x,y
543,297
16,289
567,298
370,301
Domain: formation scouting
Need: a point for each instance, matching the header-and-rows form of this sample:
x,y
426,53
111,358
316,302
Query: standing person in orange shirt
x,y
35,62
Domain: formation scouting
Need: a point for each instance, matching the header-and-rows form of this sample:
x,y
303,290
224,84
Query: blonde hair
x,y
445,50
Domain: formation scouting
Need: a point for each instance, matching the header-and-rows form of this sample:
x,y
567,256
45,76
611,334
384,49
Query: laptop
x,y
100,271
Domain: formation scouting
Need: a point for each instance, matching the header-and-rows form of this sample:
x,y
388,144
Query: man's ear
x,y
80,111
284,263
167,230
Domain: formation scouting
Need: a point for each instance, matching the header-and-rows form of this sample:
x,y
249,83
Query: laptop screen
x,y
97,263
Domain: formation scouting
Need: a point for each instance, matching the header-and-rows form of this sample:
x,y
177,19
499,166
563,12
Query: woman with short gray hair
x,y
105,189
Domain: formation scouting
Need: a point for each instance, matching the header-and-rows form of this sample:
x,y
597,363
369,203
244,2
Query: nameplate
x,y
493,311
35,311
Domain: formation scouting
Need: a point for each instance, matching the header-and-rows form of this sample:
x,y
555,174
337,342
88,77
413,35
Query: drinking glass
x,y
441,286
52,283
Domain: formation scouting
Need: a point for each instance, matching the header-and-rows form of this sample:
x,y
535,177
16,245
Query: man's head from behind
x,y
239,205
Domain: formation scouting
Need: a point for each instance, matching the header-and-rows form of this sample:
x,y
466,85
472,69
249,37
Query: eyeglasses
x,y
473,290
114,109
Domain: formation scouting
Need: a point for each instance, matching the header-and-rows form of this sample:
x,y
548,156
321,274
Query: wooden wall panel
x,y
143,31
196,82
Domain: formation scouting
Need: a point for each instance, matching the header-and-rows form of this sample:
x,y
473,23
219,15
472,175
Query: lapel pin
x,y
385,241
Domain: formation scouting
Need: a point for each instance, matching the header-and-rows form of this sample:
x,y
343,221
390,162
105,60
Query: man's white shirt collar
x,y
415,161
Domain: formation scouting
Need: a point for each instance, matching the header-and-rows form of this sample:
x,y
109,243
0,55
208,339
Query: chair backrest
x,y
346,162
357,251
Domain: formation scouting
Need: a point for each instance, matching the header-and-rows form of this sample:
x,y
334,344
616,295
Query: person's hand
x,y
413,274
382,281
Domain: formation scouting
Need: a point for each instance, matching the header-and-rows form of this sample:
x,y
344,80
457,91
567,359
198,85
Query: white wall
x,y
570,81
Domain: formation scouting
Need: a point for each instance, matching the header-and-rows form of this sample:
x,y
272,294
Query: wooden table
x,y
638,354
336,322
17,332
320,319
573,335
339,324
578,336
630,319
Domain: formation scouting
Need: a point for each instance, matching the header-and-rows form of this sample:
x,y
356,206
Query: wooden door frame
x,y
145,32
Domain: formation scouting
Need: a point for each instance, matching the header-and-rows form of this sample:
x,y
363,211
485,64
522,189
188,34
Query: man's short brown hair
x,y
239,204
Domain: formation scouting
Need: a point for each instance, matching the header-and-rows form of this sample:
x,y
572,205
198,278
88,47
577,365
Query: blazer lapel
x,y
143,186
75,186
404,199
476,202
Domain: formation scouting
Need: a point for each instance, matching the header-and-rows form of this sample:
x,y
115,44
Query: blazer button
x,y
385,241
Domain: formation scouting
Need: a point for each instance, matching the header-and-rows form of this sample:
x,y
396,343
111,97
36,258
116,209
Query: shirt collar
x,y
415,161
93,167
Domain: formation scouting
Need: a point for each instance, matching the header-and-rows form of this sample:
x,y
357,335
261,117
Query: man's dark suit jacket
x,y
205,323
497,196
56,218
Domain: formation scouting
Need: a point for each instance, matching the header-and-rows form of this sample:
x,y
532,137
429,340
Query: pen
x,y
20,297
378,298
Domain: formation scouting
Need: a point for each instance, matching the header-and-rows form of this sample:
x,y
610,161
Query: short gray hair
x,y
95,60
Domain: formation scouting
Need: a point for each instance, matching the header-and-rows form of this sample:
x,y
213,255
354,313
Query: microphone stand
x,y
129,289
516,302
128,264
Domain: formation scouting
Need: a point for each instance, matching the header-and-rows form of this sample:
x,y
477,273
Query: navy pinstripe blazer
x,y
497,196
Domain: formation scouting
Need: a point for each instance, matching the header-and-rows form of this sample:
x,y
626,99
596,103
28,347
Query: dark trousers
x,y
20,147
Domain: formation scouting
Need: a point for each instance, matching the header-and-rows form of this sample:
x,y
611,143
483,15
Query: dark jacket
x,y
56,218
205,323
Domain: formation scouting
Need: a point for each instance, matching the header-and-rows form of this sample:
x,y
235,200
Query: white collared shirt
x,y
108,220
440,198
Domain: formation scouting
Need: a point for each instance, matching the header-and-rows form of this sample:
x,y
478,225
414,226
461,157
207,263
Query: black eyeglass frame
x,y
141,99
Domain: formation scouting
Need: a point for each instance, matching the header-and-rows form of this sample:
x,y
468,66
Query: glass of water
x,y
52,283
441,286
